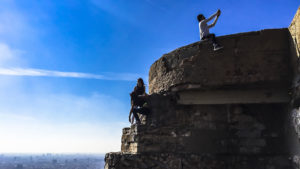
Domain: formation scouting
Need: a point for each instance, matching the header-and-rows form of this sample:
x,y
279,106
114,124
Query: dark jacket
x,y
137,101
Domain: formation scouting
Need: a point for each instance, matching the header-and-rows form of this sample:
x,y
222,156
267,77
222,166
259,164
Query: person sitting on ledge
x,y
138,102
204,28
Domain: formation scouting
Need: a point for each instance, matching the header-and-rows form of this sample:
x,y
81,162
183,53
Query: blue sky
x,y
67,67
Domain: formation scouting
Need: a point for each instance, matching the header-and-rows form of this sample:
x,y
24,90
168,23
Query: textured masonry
x,y
238,108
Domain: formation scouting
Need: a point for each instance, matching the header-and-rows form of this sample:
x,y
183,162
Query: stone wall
x,y
195,161
238,108
247,59
294,29
293,114
295,48
213,129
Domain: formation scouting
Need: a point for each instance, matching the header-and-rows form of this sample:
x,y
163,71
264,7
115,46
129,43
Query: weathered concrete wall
x,y
255,58
194,161
293,114
213,129
294,29
234,96
295,48
232,109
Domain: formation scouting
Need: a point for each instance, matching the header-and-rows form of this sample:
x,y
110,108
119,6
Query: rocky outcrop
x,y
238,108
293,127
213,129
247,59
196,161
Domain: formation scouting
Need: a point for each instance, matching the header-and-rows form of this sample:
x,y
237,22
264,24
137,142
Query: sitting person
x,y
138,102
204,29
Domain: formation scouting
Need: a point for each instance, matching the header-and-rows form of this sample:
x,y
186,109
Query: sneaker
x,y
218,48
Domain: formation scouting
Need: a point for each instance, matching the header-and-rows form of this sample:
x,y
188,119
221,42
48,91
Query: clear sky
x,y
67,66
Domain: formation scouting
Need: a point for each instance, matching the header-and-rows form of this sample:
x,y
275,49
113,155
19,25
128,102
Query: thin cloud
x,y
15,25
150,2
111,8
53,73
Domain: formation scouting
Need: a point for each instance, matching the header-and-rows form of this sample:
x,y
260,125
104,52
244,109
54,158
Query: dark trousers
x,y
211,37
141,110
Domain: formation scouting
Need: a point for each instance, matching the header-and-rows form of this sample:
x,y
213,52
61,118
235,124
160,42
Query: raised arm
x,y
213,24
216,19
211,17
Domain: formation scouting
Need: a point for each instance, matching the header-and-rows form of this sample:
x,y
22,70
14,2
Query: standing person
x,y
138,101
204,28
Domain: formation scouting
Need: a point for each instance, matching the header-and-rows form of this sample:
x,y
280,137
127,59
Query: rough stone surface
x,y
260,132
293,120
294,29
217,129
248,58
195,161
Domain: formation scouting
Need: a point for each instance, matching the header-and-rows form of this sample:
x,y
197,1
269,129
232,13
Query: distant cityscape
x,y
51,161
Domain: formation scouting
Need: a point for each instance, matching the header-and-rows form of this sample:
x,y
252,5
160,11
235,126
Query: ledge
x,y
248,59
